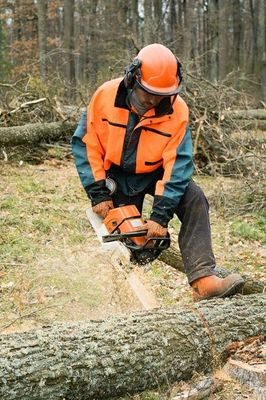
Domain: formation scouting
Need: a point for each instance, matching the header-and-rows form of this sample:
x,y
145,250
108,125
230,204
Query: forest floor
x,y
52,267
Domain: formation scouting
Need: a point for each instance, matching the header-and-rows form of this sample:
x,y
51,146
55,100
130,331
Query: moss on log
x,y
104,359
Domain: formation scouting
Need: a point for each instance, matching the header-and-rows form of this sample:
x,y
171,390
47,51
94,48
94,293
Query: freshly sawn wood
x,y
103,359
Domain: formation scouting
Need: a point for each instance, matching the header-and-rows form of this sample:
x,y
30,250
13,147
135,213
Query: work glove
x,y
154,229
103,208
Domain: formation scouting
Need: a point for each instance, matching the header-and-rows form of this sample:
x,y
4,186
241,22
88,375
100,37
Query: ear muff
x,y
131,72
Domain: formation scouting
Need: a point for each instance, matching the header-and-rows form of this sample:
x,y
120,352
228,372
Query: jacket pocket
x,y
153,162
145,128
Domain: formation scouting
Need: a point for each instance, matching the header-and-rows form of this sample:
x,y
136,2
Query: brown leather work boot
x,y
212,286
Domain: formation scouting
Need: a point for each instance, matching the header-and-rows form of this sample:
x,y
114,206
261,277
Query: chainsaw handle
x,y
118,236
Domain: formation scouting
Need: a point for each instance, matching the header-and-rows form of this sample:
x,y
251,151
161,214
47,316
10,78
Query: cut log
x,y
248,119
35,133
253,376
128,354
252,124
173,258
246,114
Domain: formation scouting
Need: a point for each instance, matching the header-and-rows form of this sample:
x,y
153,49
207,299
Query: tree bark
x,y
42,35
128,354
237,35
35,133
148,29
69,47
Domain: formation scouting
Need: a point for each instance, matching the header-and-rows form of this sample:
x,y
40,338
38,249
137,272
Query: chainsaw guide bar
x,y
120,258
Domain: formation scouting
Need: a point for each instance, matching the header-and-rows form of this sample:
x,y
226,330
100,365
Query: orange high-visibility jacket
x,y
110,136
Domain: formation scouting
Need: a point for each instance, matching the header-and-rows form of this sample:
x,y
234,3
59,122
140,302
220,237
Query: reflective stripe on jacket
x,y
110,135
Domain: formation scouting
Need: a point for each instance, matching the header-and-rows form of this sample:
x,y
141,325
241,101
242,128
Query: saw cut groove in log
x,y
35,133
128,354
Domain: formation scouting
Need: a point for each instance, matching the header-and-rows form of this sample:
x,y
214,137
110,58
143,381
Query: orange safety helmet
x,y
156,70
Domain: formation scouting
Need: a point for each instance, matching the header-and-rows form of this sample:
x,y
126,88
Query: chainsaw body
x,y
123,223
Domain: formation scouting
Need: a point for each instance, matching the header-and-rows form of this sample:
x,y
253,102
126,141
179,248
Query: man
x,y
136,133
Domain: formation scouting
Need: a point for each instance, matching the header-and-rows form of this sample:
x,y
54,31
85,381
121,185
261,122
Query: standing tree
x,y
3,62
69,48
42,35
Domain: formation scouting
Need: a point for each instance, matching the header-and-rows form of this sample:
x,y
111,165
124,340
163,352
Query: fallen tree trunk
x,y
246,114
35,133
248,119
252,124
103,359
252,286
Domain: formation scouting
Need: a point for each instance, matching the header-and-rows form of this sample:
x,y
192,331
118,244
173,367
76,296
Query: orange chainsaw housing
x,y
125,219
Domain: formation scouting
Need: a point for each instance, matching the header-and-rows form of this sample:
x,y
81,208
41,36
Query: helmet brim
x,y
156,91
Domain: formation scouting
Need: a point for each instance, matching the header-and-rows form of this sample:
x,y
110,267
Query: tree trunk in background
x,y
128,354
237,31
223,56
262,46
195,38
42,35
134,25
158,35
173,33
180,29
92,51
187,26
69,65
205,38
122,38
254,34
213,40
149,22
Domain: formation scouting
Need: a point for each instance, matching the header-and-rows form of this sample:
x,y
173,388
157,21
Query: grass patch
x,y
17,248
10,203
250,227
29,185
79,287
42,225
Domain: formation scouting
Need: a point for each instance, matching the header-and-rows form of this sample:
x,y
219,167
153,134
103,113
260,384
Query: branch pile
x,y
30,101
222,143
228,138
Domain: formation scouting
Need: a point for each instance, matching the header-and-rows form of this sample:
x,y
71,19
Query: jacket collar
x,y
163,108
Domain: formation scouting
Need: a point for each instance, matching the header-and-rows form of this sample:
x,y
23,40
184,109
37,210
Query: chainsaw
x,y
124,224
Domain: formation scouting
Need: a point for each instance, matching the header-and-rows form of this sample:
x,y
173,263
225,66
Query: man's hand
x,y
154,229
103,208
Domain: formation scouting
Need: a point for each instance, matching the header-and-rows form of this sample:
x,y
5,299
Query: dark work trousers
x,y
195,234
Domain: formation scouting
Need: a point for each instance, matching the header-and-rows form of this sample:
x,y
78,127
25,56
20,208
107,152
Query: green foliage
x,y
252,227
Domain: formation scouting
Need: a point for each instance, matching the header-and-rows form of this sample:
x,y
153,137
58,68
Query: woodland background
x,y
74,45
53,54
